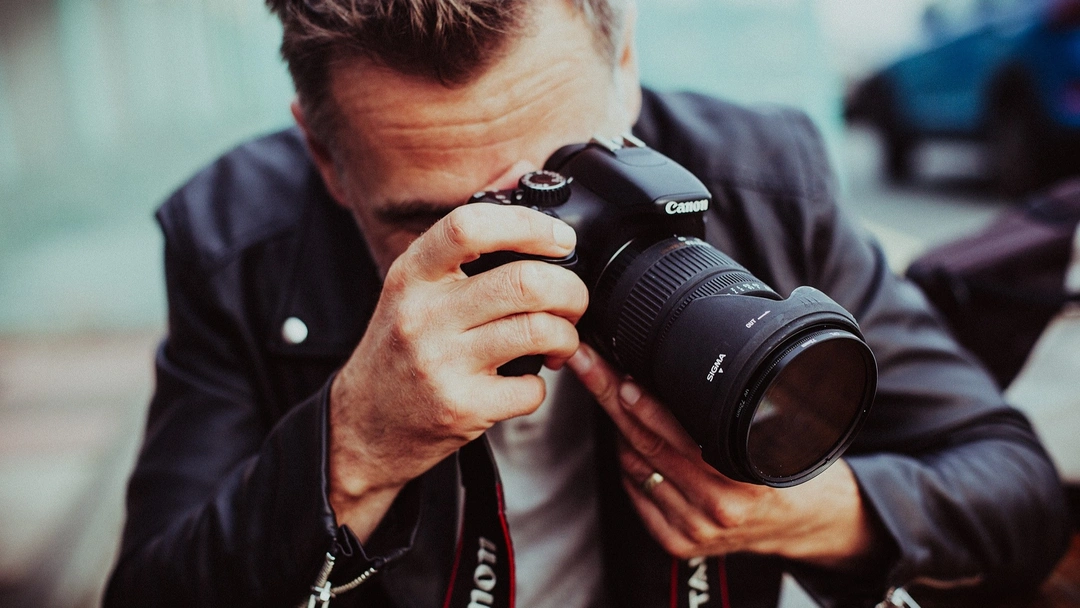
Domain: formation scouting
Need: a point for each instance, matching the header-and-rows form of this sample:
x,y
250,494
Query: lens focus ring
x,y
657,275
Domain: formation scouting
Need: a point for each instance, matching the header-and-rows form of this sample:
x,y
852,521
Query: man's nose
x,y
509,178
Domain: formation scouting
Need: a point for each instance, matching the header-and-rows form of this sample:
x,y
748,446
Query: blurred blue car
x,y
1005,72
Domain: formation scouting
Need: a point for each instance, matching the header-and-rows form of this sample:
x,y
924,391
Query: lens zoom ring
x,y
639,312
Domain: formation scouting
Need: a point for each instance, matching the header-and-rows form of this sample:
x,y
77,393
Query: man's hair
x,y
447,41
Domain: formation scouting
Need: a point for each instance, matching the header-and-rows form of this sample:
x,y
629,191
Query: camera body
x,y
772,389
610,193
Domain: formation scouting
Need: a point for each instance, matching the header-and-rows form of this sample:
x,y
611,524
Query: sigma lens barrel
x,y
772,389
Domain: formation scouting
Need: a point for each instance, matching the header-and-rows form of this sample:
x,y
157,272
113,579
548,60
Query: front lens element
x,y
810,407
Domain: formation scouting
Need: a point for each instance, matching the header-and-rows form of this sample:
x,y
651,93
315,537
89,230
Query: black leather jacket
x,y
228,505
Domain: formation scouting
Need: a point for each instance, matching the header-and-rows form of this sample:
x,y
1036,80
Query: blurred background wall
x,y
105,106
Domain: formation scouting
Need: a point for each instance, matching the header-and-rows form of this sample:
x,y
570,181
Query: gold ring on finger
x,y
651,482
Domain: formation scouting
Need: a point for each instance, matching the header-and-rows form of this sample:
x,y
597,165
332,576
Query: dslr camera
x,y
773,389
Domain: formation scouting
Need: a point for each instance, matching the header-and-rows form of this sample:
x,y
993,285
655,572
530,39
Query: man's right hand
x,y
423,382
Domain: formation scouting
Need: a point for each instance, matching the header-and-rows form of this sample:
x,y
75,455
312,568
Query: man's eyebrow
x,y
402,212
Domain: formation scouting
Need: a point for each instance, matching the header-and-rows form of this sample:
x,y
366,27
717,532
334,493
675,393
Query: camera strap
x,y
700,582
483,572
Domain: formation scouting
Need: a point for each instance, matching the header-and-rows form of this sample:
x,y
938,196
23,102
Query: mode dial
x,y
544,189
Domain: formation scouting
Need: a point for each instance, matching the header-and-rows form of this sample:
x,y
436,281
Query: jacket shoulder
x,y
254,193
766,148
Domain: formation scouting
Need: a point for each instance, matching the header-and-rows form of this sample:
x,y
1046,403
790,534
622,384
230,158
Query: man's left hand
x,y
696,511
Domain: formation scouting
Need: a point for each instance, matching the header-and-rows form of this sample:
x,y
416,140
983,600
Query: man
x,y
327,358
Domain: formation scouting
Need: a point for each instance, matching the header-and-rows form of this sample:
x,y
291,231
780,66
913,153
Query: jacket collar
x,y
332,284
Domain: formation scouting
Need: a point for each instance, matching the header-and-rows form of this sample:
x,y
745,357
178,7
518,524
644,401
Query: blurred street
x,y
71,408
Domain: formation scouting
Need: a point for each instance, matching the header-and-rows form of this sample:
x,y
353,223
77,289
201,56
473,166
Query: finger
x,y
714,503
466,409
518,287
600,380
555,362
670,538
537,333
631,408
718,499
655,417
606,386
665,446
669,497
495,398
471,230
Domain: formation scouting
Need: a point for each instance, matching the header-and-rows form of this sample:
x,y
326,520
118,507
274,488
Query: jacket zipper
x,y
322,592
898,597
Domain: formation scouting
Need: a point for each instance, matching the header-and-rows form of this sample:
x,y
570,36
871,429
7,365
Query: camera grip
x,y
522,366
527,364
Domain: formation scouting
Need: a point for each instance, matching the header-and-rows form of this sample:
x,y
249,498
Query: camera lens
x,y
808,408
773,389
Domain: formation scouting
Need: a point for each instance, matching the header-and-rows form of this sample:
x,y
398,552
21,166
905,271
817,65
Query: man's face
x,y
412,149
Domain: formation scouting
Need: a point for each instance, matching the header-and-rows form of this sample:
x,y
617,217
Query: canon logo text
x,y
676,207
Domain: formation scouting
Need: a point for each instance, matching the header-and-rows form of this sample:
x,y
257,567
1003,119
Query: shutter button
x,y
294,331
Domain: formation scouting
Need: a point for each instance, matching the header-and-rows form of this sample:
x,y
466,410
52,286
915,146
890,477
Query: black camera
x,y
772,389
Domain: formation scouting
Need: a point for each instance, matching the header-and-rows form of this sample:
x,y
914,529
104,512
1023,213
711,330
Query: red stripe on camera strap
x,y
700,582
483,572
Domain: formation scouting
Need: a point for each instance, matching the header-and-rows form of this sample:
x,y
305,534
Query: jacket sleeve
x,y
227,506
956,478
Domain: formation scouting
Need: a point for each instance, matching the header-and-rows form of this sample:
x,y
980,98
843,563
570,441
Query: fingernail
x,y
565,236
580,361
629,393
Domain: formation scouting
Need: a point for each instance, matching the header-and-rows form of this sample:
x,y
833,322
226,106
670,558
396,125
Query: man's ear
x,y
627,67
321,154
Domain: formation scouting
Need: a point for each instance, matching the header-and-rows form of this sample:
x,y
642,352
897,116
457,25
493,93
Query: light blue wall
x,y
107,105
748,51
9,160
